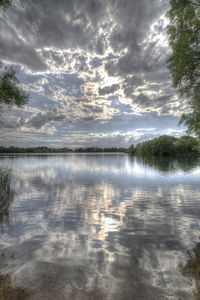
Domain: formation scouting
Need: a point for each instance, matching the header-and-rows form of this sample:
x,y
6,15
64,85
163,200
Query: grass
x,y
8,292
6,194
192,267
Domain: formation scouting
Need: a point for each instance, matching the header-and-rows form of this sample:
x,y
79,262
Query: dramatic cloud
x,y
42,119
108,89
98,66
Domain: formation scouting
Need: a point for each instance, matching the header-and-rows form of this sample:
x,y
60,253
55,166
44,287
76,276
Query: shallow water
x,y
99,226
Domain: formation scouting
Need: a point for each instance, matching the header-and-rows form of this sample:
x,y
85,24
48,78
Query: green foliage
x,y
184,63
58,150
131,149
6,194
33,150
168,146
5,4
192,268
10,93
188,144
10,292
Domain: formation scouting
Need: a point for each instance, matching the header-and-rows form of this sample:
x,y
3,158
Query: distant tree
x,y
164,145
188,144
168,146
131,149
10,92
184,63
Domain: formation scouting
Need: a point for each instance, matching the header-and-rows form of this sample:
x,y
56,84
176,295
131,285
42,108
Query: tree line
x,y
167,146
164,145
59,150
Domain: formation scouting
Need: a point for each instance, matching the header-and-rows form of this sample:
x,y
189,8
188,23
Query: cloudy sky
x,y
95,71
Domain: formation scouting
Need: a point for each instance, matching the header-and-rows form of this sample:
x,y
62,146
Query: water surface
x,y
99,226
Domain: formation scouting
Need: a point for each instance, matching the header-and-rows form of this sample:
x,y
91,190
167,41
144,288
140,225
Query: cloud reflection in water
x,y
100,227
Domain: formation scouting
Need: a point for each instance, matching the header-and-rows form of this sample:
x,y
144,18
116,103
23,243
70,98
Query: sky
x,y
95,71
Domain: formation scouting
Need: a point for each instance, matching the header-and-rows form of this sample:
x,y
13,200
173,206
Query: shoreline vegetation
x,y
6,194
164,145
192,268
8,150
167,145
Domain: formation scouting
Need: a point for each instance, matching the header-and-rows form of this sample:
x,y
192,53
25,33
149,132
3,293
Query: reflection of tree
x,y
6,194
167,164
192,267
7,292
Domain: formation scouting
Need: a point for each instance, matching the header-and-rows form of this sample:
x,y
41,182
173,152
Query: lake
x,y
100,226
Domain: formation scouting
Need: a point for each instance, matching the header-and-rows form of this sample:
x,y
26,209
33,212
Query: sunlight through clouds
x,y
98,66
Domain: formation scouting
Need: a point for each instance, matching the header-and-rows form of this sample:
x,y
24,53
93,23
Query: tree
x,y
131,149
188,144
5,4
6,194
168,146
184,63
10,92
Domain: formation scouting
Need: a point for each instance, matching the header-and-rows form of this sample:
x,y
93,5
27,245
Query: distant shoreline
x,y
59,153
164,145
46,150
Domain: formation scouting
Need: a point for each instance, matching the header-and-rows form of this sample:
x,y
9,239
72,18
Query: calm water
x,y
99,227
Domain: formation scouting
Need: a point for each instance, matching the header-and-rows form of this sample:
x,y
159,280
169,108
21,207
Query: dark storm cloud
x,y
11,123
163,104
159,76
130,83
91,109
32,25
15,50
80,100
142,100
81,64
89,118
133,19
100,46
157,102
138,61
42,119
109,89
76,24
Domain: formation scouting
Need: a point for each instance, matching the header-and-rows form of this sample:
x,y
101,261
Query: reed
x,y
6,194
